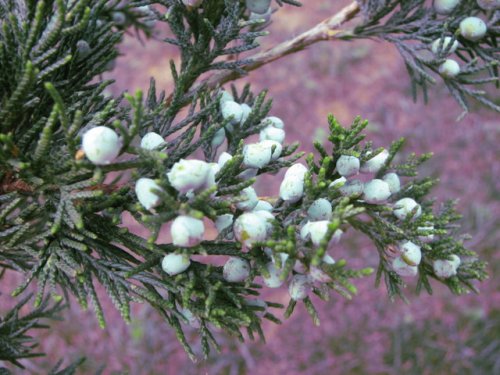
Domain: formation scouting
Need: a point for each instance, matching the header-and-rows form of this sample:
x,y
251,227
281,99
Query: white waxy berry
x,y
272,134
144,189
402,268
410,253
246,109
249,228
376,191
193,321
392,180
263,206
224,158
258,6
446,268
152,141
449,68
320,209
445,6
210,181
101,145
405,206
83,50
489,4
249,199
265,16
427,237
300,287
267,217
187,231
348,165
258,155
273,280
317,274
187,175
236,270
353,188
219,137
316,231
274,121
174,264
119,18
232,110
473,28
223,221
374,164
441,45
225,97
339,182
292,186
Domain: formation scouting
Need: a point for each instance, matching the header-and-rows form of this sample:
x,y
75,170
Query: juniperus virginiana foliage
x,y
61,207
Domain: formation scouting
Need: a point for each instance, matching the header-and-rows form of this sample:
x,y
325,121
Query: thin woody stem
x,y
325,30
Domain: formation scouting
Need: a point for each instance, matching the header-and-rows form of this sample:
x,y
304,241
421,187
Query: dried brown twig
x,y
325,30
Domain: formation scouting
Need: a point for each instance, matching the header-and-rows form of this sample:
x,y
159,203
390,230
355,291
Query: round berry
x,y
392,180
152,141
274,279
489,4
258,6
410,253
320,209
263,206
219,137
445,268
249,200
101,145
374,164
174,264
441,45
272,134
405,206
236,270
246,109
187,231
83,50
300,287
224,158
473,28
376,191
232,110
187,175
292,186
353,188
449,69
402,268
223,221
274,121
144,189
249,228
445,6
347,165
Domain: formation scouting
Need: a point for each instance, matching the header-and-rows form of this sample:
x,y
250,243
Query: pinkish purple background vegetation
x,y
439,334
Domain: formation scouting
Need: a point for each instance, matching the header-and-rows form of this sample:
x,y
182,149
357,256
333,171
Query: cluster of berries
x,y
471,29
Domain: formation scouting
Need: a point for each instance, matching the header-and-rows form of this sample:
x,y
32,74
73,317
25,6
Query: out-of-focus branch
x,y
325,30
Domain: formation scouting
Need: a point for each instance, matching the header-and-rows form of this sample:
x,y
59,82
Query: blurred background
x,y
440,334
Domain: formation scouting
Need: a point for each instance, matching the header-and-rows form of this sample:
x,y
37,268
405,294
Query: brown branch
x,y
325,30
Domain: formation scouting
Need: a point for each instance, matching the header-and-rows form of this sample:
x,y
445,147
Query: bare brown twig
x,y
325,30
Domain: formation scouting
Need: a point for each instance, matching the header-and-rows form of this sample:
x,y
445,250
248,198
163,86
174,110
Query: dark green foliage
x,y
61,215
413,25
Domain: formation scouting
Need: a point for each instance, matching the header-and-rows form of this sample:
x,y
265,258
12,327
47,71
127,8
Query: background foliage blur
x,y
368,334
